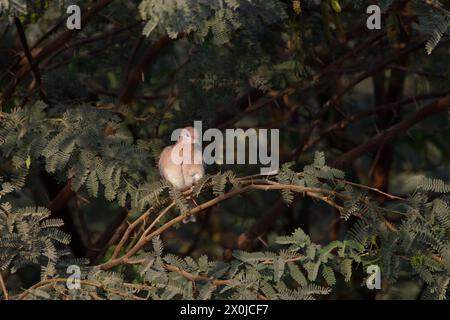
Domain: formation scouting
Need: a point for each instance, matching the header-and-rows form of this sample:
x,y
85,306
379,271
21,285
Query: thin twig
x,y
128,231
157,219
3,287
387,195
48,282
318,193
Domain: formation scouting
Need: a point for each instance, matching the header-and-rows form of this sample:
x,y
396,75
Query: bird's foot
x,y
189,219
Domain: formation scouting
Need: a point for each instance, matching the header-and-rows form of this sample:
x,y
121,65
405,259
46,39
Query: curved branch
x,y
321,194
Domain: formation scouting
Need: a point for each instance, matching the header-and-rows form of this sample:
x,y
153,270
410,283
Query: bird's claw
x,y
189,219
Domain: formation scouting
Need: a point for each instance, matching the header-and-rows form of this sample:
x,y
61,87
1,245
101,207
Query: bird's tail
x,y
192,205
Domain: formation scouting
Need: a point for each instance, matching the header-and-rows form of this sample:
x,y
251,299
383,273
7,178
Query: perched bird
x,y
182,163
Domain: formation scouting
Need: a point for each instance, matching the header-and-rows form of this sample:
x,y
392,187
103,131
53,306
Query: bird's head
x,y
189,135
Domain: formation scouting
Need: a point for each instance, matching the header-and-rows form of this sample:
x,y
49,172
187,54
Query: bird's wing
x,y
163,160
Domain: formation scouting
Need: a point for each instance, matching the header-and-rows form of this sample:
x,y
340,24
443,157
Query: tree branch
x,y
26,50
131,81
435,107
146,237
3,287
256,230
54,46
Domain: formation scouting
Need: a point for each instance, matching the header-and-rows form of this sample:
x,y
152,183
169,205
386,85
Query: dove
x,y
182,163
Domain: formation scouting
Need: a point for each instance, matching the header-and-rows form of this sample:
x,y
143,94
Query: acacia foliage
x,y
85,136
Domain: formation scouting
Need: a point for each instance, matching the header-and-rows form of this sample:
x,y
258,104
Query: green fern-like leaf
x,y
328,275
434,185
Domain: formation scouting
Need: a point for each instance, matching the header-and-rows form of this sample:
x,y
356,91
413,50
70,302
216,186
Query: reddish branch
x,y
59,209
62,198
3,287
48,50
382,162
136,74
115,33
435,107
26,50
378,66
344,123
261,226
255,184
